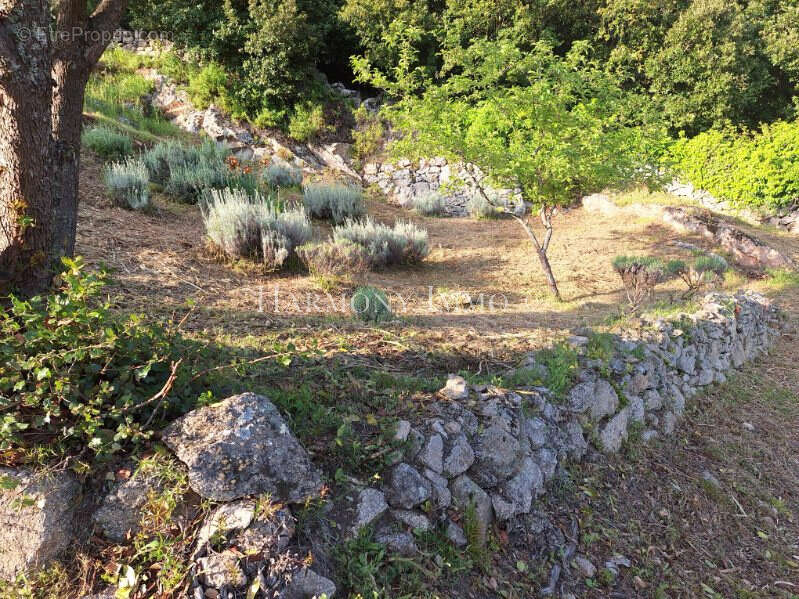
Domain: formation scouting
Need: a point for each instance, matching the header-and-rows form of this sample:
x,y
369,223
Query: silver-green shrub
x,y
334,258
479,207
335,202
431,204
371,305
279,174
244,225
234,221
107,143
128,184
401,244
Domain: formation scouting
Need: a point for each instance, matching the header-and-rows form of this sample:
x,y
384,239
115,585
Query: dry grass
x,y
161,261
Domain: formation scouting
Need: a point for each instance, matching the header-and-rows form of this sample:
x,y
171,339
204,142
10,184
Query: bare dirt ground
x,y
160,262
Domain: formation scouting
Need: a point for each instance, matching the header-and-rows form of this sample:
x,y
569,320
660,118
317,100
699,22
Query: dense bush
x,y
107,143
371,305
241,225
334,258
431,204
77,377
404,243
335,202
640,275
754,170
280,174
128,184
367,136
307,122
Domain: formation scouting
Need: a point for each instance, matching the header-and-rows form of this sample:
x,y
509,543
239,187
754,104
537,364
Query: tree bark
x,y
26,160
79,43
42,85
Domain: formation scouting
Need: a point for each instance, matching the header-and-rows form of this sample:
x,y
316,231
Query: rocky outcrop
x,y
37,518
240,447
404,181
786,218
747,251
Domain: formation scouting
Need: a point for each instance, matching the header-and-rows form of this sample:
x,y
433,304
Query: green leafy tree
x,y
712,68
552,127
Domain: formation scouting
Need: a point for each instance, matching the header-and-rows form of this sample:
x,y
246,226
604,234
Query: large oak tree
x,y
47,51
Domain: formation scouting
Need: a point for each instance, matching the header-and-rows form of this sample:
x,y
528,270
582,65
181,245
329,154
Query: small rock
x,y
460,457
432,454
307,584
615,432
370,506
455,534
441,495
401,543
407,487
465,493
403,430
647,436
496,456
584,567
269,534
221,570
227,517
456,388
411,519
599,399
749,426
120,511
708,477
37,518
242,446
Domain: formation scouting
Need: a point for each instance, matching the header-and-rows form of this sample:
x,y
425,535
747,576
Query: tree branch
x,y
104,21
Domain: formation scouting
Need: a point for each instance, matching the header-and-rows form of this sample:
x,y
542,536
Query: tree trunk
x,y
553,285
26,161
79,44
40,126
70,75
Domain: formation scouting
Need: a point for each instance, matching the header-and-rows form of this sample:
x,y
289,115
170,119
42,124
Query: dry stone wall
x,y
494,451
406,180
484,451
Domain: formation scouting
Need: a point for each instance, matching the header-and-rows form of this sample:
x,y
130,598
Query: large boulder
x,y
37,513
240,447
